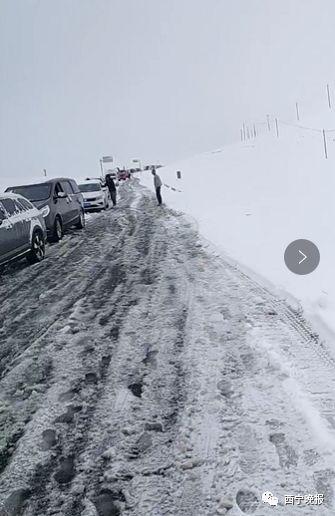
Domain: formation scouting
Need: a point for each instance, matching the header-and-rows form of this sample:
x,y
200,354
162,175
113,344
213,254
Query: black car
x,y
64,200
22,230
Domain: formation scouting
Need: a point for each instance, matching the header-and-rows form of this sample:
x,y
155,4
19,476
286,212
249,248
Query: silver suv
x,y
22,230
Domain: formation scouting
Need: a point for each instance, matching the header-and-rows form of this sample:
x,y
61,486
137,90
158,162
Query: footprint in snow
x,y
66,471
247,501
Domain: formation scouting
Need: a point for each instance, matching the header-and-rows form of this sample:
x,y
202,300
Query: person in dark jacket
x,y
111,187
157,185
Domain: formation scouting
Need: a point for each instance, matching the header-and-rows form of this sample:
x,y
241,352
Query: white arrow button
x,y
304,257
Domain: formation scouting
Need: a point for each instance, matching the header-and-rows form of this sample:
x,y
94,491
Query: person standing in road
x,y
157,185
111,187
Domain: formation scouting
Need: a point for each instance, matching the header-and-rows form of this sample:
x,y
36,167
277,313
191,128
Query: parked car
x,y
122,175
102,180
95,196
22,230
64,200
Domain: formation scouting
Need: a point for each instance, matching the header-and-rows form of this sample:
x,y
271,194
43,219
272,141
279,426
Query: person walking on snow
x,y
111,187
157,185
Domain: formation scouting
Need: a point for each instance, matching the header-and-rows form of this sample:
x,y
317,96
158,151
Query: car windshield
x,y
33,192
90,187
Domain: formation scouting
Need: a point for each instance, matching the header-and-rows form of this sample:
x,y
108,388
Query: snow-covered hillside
x,y
253,198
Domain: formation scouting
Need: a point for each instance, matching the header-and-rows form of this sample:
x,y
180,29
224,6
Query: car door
x,y
17,218
72,207
62,204
23,225
78,197
9,238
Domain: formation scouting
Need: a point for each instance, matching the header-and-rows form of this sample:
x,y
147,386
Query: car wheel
x,y
37,252
57,233
81,222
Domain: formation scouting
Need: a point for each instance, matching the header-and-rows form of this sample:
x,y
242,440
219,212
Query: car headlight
x,y
45,211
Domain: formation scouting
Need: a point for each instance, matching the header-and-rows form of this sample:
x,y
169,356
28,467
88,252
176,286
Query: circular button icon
x,y
302,256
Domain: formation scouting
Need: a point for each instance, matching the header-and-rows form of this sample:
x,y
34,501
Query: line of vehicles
x,y
32,214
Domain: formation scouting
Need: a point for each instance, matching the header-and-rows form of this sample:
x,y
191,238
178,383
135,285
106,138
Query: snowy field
x,y
250,200
141,375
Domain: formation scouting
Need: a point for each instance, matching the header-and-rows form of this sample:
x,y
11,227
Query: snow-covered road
x,y
141,375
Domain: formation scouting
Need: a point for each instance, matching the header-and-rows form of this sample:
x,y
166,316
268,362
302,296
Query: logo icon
x,y
268,497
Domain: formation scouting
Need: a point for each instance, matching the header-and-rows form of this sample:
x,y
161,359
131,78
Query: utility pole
x,y
277,130
328,95
325,143
297,111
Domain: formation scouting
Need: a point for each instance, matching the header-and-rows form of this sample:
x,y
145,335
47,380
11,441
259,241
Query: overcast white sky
x,y
154,79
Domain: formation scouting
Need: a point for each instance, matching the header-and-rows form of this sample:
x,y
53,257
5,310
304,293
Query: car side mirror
x,y
61,195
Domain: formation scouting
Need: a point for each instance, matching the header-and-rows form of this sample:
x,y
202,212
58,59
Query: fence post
x,y
297,111
277,130
328,94
325,143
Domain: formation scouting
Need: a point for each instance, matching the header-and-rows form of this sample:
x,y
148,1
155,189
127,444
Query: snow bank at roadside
x,y
252,199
